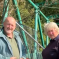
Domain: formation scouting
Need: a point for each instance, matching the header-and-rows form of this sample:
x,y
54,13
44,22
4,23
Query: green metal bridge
x,y
33,45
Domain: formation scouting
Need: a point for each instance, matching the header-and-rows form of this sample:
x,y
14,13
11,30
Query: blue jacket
x,y
5,47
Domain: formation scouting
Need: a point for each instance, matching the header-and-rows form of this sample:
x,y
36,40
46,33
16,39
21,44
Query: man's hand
x,y
13,58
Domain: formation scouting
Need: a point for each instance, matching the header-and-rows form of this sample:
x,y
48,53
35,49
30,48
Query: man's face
x,y
9,26
52,33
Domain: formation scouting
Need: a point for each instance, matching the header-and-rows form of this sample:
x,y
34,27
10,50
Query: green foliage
x,y
28,15
37,1
0,19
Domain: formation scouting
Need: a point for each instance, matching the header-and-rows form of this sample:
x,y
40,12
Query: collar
x,y
55,39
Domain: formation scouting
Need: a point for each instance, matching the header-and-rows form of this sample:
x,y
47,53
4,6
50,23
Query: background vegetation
x,y
48,7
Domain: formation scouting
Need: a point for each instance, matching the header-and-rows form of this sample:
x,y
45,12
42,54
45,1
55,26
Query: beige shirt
x,y
14,47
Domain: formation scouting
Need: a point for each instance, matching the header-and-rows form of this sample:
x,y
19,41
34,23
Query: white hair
x,y
50,25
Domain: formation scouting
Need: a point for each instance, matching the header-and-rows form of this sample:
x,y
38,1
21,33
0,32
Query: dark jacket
x,y
52,46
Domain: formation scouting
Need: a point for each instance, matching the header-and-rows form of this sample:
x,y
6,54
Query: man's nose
x,y
10,26
51,33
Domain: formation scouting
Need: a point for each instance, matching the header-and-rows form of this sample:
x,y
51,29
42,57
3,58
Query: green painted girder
x,y
5,9
20,22
47,4
53,16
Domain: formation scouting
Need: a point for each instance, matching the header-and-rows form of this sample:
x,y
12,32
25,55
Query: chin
x,y
52,38
8,32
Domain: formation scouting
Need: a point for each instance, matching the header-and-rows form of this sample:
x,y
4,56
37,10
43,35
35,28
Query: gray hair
x,y
50,25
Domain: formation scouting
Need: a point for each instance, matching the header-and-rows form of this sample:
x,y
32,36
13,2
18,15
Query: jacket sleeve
x,y
3,57
23,51
23,54
2,50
